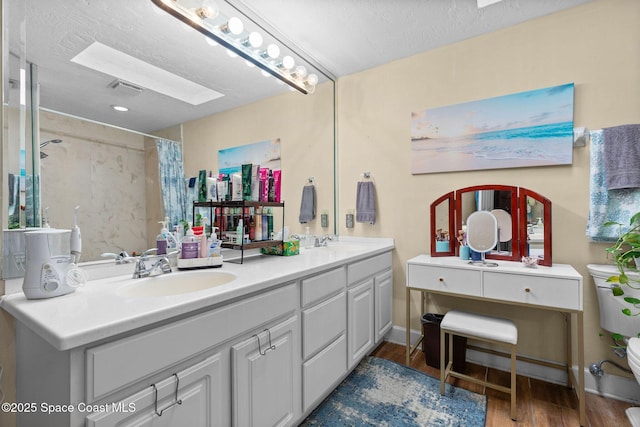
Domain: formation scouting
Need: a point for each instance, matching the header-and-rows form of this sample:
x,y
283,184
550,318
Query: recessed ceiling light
x,y
117,64
119,108
485,3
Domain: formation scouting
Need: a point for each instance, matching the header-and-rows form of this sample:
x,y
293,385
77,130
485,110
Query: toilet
x,y
612,320
633,357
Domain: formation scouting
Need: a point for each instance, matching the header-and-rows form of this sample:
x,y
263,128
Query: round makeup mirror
x,y
482,234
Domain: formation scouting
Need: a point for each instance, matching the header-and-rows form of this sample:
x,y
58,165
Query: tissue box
x,y
289,248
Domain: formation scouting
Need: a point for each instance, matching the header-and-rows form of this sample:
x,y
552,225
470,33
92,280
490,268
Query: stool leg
x,y
443,361
513,382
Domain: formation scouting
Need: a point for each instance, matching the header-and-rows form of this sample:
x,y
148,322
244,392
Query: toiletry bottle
x,y
189,245
203,245
308,239
269,223
265,225
258,225
161,239
240,232
272,188
252,226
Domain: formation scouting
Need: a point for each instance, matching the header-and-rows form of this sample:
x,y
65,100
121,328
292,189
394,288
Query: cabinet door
x,y
199,390
360,328
266,377
383,283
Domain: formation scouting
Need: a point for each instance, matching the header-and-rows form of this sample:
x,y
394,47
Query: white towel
x,y
366,202
605,205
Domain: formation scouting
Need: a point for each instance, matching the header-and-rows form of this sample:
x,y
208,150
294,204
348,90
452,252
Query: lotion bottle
x,y
189,245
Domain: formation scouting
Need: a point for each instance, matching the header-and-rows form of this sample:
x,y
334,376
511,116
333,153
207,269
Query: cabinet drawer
x,y
200,393
543,291
362,269
445,279
323,323
117,364
319,287
322,372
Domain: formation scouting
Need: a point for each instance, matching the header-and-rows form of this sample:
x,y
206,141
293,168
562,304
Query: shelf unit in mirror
x,y
523,216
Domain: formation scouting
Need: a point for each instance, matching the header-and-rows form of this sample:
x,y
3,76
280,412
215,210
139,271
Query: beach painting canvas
x,y
533,128
264,153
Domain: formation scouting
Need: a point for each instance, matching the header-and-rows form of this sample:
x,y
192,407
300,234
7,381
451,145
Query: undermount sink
x,y
174,283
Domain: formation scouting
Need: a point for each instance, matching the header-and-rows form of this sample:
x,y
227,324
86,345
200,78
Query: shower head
x,y
44,155
53,141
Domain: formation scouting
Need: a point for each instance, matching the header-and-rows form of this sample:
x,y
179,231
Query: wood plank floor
x,y
539,404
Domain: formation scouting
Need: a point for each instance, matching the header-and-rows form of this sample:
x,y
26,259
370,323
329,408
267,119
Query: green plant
x,y
626,254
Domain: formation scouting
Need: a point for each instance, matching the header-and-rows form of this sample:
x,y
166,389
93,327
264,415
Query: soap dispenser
x,y
161,239
189,244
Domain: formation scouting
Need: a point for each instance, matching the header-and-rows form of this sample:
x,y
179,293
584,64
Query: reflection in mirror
x,y
523,217
442,226
500,200
482,234
535,227
114,161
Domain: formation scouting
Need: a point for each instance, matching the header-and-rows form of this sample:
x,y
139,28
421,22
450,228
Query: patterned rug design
x,y
383,393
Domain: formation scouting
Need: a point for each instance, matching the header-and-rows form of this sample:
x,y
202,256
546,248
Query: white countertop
x,y
96,311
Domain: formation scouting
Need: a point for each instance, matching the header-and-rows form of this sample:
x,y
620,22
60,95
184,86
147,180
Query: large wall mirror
x,y
63,144
523,217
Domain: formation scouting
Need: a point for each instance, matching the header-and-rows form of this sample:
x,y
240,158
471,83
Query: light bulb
x,y
233,26
249,63
312,79
208,10
300,72
272,51
232,54
264,73
287,63
254,40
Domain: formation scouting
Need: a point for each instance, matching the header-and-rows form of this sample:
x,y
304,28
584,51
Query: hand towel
x,y
604,205
366,202
622,156
308,204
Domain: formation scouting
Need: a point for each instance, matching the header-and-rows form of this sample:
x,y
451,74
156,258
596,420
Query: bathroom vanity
x,y
263,349
557,288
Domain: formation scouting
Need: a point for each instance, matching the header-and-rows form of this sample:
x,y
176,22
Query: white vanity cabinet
x,y
266,377
262,358
369,305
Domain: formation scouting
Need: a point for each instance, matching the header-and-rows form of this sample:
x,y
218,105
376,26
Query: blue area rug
x,y
383,393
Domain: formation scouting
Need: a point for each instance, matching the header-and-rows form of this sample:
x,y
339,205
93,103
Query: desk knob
x,y
441,279
527,290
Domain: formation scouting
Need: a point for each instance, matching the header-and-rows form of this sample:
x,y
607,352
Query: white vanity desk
x,y
557,288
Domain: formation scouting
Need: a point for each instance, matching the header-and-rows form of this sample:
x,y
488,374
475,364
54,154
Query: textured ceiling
x,y
342,36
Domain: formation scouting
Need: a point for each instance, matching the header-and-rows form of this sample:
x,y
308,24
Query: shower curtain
x,y
172,182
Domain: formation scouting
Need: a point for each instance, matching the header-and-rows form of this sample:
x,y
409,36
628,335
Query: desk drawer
x,y
445,279
542,291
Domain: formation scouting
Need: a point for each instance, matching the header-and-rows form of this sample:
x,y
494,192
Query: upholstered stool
x,y
484,328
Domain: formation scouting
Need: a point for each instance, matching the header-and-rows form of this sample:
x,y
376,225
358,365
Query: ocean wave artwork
x,y
526,129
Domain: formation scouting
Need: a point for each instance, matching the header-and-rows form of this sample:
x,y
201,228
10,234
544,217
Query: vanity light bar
x,y
223,36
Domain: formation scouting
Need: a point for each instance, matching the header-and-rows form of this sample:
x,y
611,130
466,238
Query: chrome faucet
x,y
121,258
323,240
160,266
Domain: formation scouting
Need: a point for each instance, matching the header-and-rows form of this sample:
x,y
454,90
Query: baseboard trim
x,y
610,385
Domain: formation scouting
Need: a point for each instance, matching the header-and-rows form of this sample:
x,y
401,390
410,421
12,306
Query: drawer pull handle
x,y
270,347
176,400
441,279
527,290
